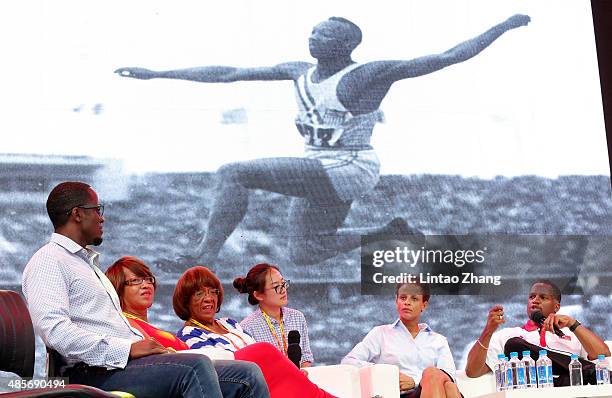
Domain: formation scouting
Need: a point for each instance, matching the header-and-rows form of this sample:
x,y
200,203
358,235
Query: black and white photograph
x,y
229,134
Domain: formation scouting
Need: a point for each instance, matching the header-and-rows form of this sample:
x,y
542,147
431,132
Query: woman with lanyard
x,y
136,285
197,299
272,321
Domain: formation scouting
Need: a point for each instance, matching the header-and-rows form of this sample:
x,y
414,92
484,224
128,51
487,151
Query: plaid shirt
x,y
255,324
74,307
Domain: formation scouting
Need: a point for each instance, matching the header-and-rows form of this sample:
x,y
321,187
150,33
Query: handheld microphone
x,y
294,351
539,318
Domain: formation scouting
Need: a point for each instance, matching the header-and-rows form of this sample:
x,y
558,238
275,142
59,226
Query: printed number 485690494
x,y
16,383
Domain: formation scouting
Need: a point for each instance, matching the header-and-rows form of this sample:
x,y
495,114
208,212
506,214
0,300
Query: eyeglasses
x,y
282,287
139,281
207,291
99,208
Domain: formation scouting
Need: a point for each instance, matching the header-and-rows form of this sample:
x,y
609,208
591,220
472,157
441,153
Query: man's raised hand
x,y
495,318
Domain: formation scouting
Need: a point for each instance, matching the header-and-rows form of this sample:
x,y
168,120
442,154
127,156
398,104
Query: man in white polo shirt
x,y
544,297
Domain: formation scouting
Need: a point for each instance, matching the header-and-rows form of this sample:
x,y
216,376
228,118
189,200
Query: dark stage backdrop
x,y
510,142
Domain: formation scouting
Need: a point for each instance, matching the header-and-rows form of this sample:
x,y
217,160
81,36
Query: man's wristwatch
x,y
574,326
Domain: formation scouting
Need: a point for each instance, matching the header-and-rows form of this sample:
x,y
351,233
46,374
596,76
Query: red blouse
x,y
164,338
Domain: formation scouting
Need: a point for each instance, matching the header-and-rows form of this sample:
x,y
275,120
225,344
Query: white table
x,y
555,392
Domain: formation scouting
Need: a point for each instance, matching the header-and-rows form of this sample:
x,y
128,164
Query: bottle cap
x,y
527,352
543,352
601,357
574,356
500,356
514,355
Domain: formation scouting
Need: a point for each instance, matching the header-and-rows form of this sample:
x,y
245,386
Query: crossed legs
x,y
434,384
437,384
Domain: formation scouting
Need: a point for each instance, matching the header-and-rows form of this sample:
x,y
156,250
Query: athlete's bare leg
x,y
297,177
315,216
314,231
313,234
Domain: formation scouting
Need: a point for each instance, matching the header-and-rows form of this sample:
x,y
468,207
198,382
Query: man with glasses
x,y
76,311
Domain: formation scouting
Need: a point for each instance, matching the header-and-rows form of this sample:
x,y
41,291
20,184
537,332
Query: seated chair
x,y
347,381
17,352
474,387
343,381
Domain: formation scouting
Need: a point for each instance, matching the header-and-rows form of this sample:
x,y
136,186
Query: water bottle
x,y
544,370
518,371
508,374
500,373
531,380
575,371
602,372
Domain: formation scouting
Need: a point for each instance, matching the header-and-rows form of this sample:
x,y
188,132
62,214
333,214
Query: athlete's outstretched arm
x,y
391,71
221,74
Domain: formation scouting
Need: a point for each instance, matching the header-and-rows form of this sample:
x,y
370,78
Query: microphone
x,y
539,318
294,351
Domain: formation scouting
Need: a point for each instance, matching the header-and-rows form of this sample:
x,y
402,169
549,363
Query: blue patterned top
x,y
236,339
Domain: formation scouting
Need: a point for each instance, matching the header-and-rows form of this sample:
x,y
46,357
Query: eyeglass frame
x,y
99,208
142,279
208,291
284,285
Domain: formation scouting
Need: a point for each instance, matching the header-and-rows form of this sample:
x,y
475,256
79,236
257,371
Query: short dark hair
x,y
423,289
556,292
255,281
63,198
117,277
189,283
354,35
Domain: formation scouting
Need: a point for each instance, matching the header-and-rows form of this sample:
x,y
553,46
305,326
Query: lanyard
x,y
198,324
132,316
282,347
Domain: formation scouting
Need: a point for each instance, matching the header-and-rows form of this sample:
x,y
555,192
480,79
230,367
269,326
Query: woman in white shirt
x,y
424,358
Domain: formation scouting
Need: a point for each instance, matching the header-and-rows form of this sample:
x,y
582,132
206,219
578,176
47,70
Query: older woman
x,y
135,286
425,361
197,299
273,320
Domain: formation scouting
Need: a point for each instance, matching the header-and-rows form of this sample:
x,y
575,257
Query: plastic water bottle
x,y
531,380
508,374
575,371
518,371
500,373
602,372
544,370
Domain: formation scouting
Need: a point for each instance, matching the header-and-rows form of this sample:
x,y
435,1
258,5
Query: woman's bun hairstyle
x,y
255,281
